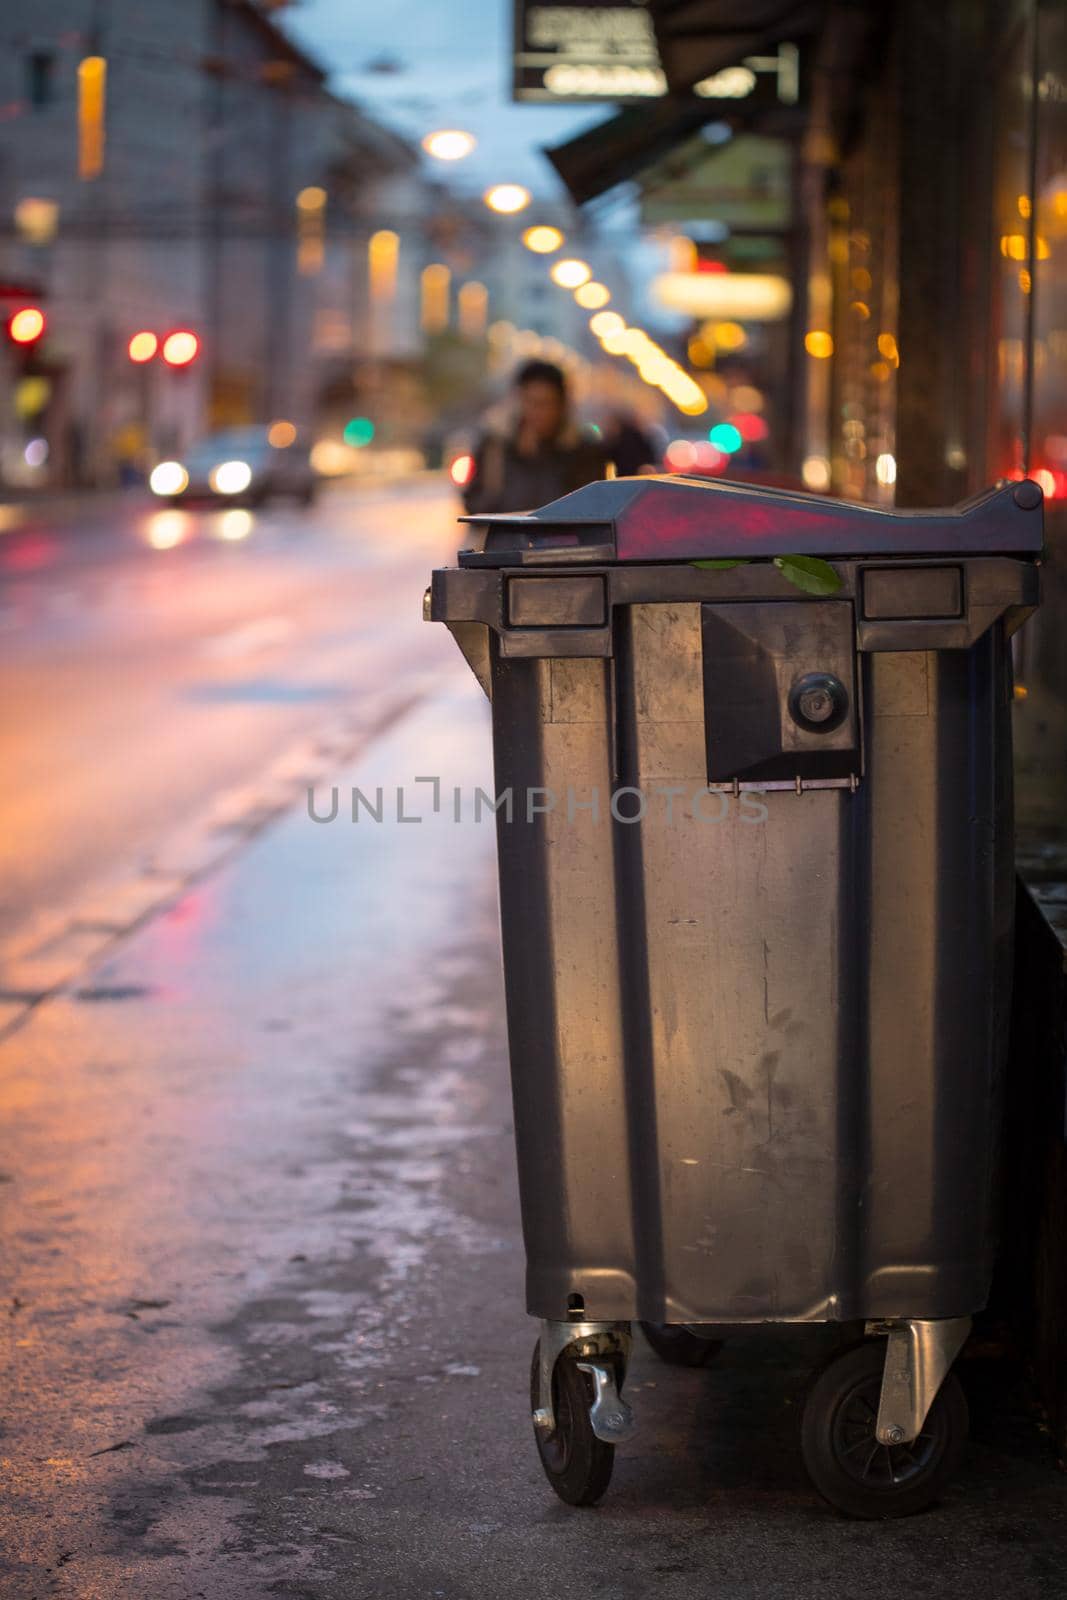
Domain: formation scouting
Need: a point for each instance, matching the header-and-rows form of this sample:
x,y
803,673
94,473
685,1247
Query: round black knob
x,y
818,702
1027,495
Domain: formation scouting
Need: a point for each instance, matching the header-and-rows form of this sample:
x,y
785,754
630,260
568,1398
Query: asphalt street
x,y
261,1276
152,659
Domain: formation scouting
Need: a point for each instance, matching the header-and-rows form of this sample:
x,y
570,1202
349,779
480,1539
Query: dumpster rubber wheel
x,y
577,1464
675,1345
844,1460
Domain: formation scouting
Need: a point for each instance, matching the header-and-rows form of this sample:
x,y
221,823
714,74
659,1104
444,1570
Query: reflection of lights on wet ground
x,y
167,528
236,524
29,553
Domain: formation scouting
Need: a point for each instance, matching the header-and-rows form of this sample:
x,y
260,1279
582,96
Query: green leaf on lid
x,y
809,573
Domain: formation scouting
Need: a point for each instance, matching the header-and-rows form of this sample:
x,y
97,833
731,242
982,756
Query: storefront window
x,y
863,251
1041,649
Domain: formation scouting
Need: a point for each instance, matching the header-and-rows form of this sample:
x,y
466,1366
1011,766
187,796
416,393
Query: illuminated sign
x,y
747,296
571,51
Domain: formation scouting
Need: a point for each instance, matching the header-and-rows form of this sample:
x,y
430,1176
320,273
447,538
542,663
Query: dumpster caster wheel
x,y
577,1464
843,1457
678,1347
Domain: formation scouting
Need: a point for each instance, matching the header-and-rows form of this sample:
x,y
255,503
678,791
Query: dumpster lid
x,y
684,519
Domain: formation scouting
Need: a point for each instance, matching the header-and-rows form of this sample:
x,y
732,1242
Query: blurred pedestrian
x,y
630,446
542,455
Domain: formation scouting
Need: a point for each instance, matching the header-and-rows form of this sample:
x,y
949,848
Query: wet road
x,y
155,661
261,1278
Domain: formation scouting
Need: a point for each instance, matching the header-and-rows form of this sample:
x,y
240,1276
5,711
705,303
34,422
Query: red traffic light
x,y
26,325
180,348
143,346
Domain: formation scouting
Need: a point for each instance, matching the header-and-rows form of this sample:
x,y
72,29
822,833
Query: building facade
x,y
227,198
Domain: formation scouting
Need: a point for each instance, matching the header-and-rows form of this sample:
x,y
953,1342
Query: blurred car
x,y
241,466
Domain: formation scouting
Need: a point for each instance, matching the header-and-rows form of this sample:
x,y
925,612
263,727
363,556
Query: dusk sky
x,y
454,71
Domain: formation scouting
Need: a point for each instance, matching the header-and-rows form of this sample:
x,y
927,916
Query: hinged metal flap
x,y
781,705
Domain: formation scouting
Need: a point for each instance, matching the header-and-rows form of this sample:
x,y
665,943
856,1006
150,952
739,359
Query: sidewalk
x,y
264,1275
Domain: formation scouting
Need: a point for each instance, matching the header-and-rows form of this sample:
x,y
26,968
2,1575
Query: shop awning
x,y
698,38
774,42
623,146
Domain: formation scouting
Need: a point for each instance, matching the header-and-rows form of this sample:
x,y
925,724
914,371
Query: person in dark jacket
x,y
630,445
542,456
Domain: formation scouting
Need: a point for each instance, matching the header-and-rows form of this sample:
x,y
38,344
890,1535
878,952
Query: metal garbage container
x,y
756,884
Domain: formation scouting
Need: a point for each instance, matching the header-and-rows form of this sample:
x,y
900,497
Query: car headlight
x,y
230,477
170,477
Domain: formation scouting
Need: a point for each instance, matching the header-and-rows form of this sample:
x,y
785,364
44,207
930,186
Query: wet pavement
x,y
263,1273
154,662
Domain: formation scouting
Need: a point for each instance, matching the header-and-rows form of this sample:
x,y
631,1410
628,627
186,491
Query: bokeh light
x,y
359,432
449,144
281,434
231,477
167,528
169,477
27,325
507,198
180,347
235,525
725,436
591,296
542,240
462,471
606,322
729,336
816,472
143,346
749,426
571,274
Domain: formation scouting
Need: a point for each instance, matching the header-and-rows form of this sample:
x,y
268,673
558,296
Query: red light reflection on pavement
x,y
27,552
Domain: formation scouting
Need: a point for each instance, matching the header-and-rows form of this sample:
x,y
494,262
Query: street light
x,y
542,240
591,296
449,144
507,198
606,322
571,274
